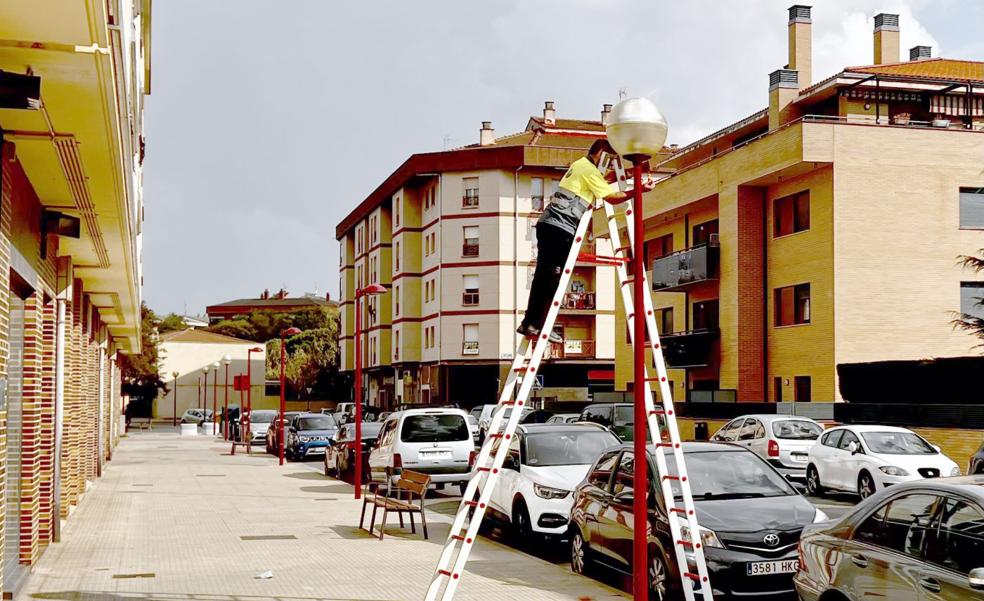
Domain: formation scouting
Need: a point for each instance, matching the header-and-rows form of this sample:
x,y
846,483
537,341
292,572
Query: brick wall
x,y
750,301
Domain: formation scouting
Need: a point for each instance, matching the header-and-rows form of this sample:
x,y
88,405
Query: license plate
x,y
316,450
765,568
801,457
435,455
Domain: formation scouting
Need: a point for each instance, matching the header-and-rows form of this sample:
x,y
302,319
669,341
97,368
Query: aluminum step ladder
x,y
689,554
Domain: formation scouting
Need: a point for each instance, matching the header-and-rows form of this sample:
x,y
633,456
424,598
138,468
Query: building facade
x,y
451,237
822,232
278,303
73,76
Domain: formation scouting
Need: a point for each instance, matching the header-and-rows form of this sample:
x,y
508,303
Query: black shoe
x,y
527,331
555,338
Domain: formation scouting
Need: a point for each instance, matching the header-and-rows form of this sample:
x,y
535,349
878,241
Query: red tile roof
x,y
931,68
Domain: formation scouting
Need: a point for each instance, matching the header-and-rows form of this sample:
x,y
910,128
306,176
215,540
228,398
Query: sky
x,y
270,120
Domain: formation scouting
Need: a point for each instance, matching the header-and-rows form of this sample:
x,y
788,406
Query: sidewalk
x,y
167,519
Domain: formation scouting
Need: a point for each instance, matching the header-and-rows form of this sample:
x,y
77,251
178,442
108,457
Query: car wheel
x,y
580,556
866,485
521,522
813,485
659,579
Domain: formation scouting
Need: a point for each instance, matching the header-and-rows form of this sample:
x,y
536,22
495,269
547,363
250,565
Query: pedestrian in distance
x,y
578,191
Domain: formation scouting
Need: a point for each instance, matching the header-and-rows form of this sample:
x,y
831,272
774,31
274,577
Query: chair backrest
x,y
414,482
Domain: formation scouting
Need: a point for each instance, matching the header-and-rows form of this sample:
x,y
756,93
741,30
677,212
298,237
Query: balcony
x,y
573,349
469,249
686,267
689,349
578,301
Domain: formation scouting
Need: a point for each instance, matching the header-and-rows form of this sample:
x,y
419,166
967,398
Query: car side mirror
x,y
938,449
976,578
853,447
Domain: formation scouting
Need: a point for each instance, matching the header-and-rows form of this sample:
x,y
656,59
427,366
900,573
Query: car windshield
x,y
428,427
716,475
796,429
624,414
321,422
262,417
567,448
897,443
370,430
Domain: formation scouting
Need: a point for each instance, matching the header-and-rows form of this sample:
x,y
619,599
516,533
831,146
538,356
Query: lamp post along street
x,y
215,393
225,412
372,289
283,399
174,416
244,425
204,391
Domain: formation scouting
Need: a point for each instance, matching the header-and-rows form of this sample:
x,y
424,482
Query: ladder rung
x,y
693,577
447,573
475,504
627,281
685,543
657,412
499,435
667,445
461,538
656,379
682,511
487,469
678,478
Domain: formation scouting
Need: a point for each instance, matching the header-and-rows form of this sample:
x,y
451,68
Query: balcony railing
x,y
689,349
468,200
685,267
578,301
573,349
469,249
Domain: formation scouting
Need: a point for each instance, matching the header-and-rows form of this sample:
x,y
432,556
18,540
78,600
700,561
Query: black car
x,y
750,517
976,465
617,417
340,456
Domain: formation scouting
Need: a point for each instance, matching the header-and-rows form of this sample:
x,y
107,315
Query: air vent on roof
x,y
918,53
798,13
783,78
886,21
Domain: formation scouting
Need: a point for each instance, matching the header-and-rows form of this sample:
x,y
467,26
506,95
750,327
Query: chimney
x,y
783,89
549,114
801,43
886,38
328,297
486,136
919,53
606,111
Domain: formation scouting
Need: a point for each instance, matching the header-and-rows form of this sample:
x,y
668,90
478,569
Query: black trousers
x,y
552,247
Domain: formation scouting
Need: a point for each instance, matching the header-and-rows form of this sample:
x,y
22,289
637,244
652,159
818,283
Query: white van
x,y
436,442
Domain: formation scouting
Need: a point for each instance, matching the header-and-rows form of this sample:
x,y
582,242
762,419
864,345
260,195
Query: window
x,y
664,320
599,414
657,248
972,208
536,193
469,296
972,299
429,290
748,430
396,345
702,232
469,339
959,542
730,430
871,529
832,439
396,258
802,392
396,212
470,246
554,186
624,475
706,315
777,389
396,300
602,474
847,439
908,520
791,214
469,197
792,305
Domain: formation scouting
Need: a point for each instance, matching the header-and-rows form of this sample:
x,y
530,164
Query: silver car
x,y
782,440
259,422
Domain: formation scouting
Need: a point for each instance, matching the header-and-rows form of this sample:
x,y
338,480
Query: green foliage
x,y
171,323
311,361
261,326
139,372
964,321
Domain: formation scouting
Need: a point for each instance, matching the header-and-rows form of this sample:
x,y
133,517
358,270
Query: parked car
x,y
782,440
486,423
340,456
196,416
476,432
368,413
545,464
537,416
976,465
432,441
617,417
920,540
750,515
273,431
564,418
865,459
309,433
259,423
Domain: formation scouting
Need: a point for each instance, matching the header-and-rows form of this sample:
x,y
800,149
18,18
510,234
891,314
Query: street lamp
x,y
637,131
215,392
370,290
225,412
204,391
174,417
244,425
283,401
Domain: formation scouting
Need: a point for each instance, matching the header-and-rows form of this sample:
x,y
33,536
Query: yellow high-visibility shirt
x,y
585,180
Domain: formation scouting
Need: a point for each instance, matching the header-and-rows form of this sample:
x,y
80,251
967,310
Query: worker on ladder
x,y
580,188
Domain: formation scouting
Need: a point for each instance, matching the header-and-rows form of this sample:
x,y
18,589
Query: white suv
x,y
545,464
436,442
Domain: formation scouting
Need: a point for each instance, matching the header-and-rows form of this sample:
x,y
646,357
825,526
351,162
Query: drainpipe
x,y
100,448
515,311
59,413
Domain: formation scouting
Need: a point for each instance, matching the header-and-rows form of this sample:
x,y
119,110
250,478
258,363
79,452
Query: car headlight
x,y
820,516
708,537
545,492
305,439
955,471
892,470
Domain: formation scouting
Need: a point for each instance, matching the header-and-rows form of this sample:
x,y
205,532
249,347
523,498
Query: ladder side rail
x,y
539,349
674,433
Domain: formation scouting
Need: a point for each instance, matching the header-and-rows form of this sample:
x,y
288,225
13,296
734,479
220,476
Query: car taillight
x,y
397,460
773,448
472,455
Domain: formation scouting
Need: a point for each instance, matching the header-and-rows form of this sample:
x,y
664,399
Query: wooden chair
x,y
406,496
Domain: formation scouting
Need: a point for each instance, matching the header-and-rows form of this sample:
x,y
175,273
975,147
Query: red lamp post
x,y
174,417
244,424
215,401
203,388
283,380
225,411
371,289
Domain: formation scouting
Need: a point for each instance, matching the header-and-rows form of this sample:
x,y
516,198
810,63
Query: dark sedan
x,y
920,540
750,519
273,431
340,456
309,433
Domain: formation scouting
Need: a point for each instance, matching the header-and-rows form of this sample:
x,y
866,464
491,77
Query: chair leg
x,y
372,521
362,518
413,529
382,525
423,519
401,519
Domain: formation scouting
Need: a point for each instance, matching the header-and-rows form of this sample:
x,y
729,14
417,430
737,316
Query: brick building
x,y
72,83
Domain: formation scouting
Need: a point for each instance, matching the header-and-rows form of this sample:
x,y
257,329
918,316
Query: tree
x,y
311,360
171,323
140,375
974,324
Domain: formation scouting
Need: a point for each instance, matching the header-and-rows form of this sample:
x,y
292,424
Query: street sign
x,y
538,385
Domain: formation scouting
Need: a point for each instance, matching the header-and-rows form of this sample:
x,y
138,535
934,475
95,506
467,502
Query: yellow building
x,y
791,250
450,236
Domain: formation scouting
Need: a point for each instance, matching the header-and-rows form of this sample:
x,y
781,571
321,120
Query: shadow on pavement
x,y
339,489
111,596
306,476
